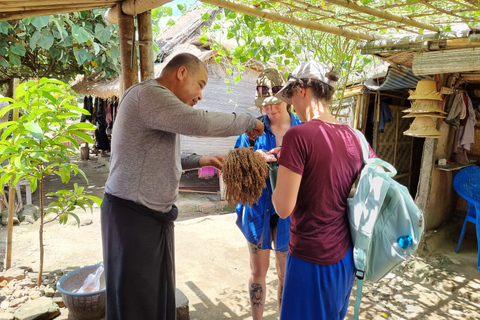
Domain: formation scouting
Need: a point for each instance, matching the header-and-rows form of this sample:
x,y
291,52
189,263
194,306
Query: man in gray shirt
x,y
138,209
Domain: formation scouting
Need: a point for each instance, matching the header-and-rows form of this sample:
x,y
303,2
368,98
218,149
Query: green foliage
x,y
285,46
42,140
157,15
60,46
67,201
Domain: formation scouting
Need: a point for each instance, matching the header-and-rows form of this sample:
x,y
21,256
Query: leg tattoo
x,y
281,295
254,248
256,294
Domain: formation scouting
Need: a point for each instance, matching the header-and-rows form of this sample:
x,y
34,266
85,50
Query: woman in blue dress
x,y
259,223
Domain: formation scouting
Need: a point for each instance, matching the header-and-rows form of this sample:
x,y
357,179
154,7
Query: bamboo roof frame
x,y
348,18
414,18
424,21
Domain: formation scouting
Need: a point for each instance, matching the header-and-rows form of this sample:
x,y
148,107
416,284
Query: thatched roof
x,y
181,37
106,89
97,87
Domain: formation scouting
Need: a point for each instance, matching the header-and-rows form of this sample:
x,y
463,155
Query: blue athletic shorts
x,y
317,292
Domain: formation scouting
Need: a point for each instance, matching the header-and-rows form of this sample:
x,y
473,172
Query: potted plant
x,y
40,143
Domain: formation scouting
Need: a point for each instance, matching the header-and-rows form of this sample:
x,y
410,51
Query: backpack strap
x,y
359,252
365,147
358,299
387,167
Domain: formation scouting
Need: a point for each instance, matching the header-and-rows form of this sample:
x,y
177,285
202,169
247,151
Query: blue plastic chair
x,y
467,184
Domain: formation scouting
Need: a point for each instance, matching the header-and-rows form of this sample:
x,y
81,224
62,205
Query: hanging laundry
x,y
455,106
468,137
465,134
385,116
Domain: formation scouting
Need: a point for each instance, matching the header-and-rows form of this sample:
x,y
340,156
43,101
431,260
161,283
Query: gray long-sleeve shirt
x,y
146,164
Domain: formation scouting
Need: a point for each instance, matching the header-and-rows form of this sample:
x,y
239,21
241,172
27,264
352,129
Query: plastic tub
x,y
82,306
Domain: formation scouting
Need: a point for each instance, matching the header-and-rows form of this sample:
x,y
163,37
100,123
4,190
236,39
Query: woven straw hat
x,y
426,90
423,127
422,114
269,77
424,106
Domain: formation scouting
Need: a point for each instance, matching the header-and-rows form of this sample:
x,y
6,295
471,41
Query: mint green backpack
x,y
385,223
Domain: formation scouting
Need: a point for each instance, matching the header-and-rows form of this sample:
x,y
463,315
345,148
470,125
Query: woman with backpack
x,y
318,164
259,223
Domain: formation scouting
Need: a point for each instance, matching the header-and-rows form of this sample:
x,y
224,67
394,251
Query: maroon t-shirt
x,y
329,158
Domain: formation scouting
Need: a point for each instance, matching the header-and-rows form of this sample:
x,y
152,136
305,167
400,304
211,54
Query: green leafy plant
x,y
281,45
59,46
40,143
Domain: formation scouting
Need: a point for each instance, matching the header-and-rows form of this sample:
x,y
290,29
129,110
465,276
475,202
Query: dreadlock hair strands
x,y
244,174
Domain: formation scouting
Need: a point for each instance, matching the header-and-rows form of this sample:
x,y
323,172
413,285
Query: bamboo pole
x,y
357,110
16,111
126,30
354,91
198,191
416,42
139,6
146,51
19,195
366,106
49,4
111,15
11,194
383,14
132,7
53,11
439,87
376,113
40,232
291,20
11,209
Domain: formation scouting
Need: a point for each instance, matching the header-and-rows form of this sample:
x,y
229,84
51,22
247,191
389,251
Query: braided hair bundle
x,y
244,174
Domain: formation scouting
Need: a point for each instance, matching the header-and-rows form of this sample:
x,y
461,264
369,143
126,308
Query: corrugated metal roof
x,y
396,78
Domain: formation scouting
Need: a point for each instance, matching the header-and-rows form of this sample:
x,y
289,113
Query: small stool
x,y
28,191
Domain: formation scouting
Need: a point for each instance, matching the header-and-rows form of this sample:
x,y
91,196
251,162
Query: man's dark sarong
x,y
138,253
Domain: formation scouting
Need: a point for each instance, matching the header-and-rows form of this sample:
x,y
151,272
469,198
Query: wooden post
x,y
358,108
439,87
126,29
222,186
145,45
376,112
11,209
19,195
366,106
16,111
11,193
422,198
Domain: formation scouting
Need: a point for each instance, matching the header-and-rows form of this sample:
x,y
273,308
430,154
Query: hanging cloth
x,y
108,114
455,106
385,116
467,139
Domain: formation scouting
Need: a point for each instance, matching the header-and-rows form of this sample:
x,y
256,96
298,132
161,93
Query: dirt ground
x,y
212,263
